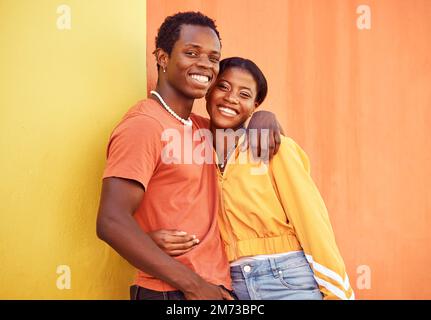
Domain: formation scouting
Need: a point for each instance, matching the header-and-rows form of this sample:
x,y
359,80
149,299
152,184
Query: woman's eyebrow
x,y
241,88
247,88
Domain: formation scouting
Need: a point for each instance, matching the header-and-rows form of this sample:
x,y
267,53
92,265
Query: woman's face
x,y
232,98
193,64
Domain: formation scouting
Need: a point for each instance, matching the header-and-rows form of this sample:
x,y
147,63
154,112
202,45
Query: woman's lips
x,y
228,112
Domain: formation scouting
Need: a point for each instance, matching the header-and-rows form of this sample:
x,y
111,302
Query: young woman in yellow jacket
x,y
273,222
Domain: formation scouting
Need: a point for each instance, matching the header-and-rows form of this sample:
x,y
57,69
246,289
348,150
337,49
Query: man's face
x,y
194,61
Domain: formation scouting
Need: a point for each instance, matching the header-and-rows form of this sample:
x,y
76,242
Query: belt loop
x,y
274,268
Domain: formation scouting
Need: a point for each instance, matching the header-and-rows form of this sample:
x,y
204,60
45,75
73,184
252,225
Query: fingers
x,y
277,141
176,253
244,145
269,153
183,245
281,128
178,237
266,145
254,143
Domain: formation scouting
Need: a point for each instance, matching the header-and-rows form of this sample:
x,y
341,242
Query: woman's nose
x,y
231,98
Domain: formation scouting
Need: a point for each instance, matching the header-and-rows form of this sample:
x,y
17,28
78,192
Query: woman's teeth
x,y
228,111
202,79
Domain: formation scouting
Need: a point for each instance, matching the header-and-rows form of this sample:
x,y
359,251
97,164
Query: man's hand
x,y
266,150
208,291
174,242
117,227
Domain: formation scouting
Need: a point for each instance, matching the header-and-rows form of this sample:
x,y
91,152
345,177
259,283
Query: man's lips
x,y
200,78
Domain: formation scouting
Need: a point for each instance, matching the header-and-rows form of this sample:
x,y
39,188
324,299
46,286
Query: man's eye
x,y
191,53
215,59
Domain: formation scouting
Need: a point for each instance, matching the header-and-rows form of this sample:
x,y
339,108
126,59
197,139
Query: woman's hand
x,y
174,242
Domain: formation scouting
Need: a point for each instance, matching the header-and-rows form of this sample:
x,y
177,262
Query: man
x,y
141,193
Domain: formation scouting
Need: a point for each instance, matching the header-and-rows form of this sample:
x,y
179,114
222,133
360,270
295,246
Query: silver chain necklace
x,y
187,122
227,157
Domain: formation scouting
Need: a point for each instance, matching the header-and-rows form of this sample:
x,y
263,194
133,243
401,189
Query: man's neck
x,y
180,104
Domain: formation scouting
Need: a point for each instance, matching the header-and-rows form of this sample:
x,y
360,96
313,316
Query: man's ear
x,y
162,57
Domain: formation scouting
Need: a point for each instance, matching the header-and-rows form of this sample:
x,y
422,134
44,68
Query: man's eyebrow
x,y
198,46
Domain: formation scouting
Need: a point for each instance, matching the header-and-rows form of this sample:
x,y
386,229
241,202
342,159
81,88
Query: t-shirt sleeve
x,y
134,149
201,122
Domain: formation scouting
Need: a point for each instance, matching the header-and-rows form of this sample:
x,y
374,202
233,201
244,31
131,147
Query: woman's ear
x,y
255,107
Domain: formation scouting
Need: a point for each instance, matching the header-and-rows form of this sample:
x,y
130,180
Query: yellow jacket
x,y
276,208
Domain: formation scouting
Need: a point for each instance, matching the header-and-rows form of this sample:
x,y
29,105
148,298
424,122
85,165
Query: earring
x,y
164,69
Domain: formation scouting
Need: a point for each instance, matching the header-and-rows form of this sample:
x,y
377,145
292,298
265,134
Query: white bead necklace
x,y
187,122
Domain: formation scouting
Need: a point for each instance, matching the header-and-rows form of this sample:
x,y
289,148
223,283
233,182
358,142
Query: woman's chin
x,y
226,124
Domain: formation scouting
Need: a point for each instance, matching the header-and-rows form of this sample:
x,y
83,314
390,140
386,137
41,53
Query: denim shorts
x,y
280,278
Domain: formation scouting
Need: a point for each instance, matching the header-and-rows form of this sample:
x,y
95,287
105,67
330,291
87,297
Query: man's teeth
x,y
228,111
203,79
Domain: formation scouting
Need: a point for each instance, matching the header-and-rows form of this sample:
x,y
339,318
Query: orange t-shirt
x,y
181,196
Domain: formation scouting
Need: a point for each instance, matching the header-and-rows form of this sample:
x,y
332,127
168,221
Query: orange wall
x,y
359,102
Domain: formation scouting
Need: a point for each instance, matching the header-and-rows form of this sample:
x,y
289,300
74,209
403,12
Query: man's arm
x,y
264,120
117,227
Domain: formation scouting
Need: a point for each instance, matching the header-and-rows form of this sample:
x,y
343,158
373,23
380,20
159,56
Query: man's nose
x,y
204,62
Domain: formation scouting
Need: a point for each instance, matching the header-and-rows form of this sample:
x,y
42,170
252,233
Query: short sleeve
x,y
134,149
200,122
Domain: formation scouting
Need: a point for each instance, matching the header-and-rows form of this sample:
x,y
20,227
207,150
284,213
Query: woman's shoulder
x,y
288,143
290,149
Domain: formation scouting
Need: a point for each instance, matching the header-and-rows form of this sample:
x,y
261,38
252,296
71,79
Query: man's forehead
x,y
199,36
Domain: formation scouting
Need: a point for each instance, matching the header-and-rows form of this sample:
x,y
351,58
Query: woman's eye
x,y
244,95
222,86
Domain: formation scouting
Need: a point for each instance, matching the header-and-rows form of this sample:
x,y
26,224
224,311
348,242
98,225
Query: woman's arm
x,y
306,211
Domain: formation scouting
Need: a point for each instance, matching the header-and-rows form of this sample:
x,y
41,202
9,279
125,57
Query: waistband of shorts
x,y
265,266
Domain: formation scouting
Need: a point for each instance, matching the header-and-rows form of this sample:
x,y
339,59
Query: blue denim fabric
x,y
283,278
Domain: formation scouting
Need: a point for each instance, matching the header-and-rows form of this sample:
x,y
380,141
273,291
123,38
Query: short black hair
x,y
169,31
250,66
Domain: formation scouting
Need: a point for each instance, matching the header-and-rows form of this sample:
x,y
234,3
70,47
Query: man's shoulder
x,y
143,115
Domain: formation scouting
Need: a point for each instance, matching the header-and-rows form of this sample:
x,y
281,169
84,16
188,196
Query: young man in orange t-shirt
x,y
142,193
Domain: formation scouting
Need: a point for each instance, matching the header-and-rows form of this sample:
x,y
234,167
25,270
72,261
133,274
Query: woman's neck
x,y
224,141
179,103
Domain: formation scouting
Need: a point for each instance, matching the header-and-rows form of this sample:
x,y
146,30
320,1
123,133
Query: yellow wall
x,y
61,93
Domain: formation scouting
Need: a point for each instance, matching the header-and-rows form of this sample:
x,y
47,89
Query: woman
x,y
273,221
